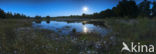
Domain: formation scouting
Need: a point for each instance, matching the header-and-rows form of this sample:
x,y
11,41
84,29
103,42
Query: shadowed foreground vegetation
x,y
18,37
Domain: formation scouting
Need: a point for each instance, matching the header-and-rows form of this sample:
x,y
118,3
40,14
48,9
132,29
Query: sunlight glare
x,y
85,29
85,9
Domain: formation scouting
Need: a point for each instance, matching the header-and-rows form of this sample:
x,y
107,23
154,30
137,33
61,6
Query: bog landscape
x,y
87,33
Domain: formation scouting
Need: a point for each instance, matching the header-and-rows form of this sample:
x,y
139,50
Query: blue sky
x,y
56,7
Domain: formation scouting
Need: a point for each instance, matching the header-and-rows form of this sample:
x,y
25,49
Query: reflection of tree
x,y
73,30
38,21
83,23
98,23
71,21
48,21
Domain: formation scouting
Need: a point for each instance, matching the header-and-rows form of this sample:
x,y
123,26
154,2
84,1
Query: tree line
x,y
125,8
128,8
5,15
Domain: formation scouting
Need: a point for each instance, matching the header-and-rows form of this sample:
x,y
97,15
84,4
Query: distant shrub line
x,y
125,9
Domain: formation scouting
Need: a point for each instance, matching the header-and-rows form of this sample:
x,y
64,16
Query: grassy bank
x,y
17,37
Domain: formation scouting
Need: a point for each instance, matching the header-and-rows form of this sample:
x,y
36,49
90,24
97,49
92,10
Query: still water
x,y
66,28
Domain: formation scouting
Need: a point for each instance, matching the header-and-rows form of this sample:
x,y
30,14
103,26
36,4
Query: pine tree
x,y
154,9
125,8
2,14
144,8
132,9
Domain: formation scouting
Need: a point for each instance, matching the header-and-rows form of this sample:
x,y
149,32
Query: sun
x,y
85,9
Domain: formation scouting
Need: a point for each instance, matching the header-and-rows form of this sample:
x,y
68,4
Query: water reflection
x,y
37,21
48,21
65,28
85,29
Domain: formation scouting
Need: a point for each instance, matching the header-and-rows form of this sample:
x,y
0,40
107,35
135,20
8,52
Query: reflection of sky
x,y
57,7
66,28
